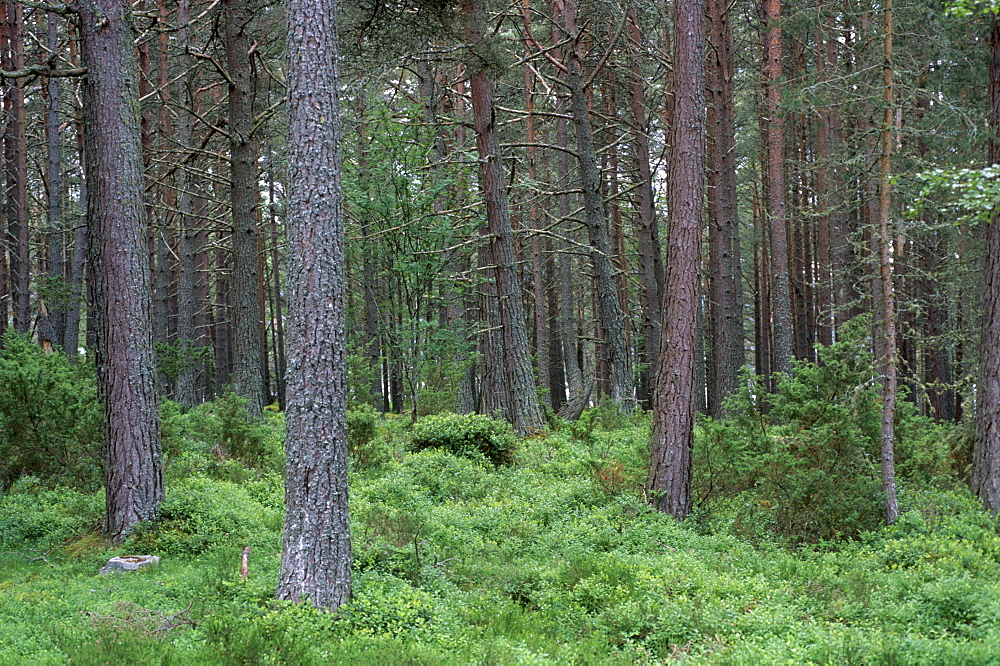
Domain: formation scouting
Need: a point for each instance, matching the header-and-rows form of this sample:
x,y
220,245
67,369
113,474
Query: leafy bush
x,y
50,418
367,449
32,516
807,458
467,435
200,514
387,607
221,430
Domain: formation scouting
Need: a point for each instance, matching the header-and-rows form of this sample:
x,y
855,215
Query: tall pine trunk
x,y
248,353
780,288
986,452
510,362
725,294
669,482
119,259
610,314
316,548
888,298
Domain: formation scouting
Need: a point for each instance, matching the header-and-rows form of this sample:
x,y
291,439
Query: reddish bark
x,y
119,258
669,481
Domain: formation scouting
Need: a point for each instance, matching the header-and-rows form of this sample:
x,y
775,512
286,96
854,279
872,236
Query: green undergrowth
x,y
552,557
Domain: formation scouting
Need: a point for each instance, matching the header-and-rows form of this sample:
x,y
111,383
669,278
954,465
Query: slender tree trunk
x,y
71,343
16,171
986,451
316,548
539,313
824,267
578,394
610,312
669,482
512,362
650,261
781,299
725,283
223,315
125,360
52,325
279,325
248,354
184,391
888,298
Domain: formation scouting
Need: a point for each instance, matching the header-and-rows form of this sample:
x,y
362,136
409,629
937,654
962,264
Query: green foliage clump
x,y
201,514
367,449
50,418
218,439
802,462
467,435
33,516
387,607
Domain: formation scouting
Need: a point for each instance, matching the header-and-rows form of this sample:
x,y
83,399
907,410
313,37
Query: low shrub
x,y
32,516
467,435
200,514
221,430
50,418
367,448
804,457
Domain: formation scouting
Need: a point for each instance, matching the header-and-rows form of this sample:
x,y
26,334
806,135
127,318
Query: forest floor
x,y
555,558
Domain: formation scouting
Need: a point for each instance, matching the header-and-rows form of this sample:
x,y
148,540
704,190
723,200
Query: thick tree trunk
x,y
125,360
669,482
248,353
986,452
781,299
316,548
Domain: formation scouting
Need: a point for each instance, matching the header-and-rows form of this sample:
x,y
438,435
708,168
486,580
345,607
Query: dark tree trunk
x,y
316,548
986,452
936,354
184,391
511,361
781,299
248,353
52,324
669,482
650,261
16,170
117,217
725,294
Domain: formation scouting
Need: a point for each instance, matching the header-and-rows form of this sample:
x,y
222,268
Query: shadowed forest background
x,y
644,332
